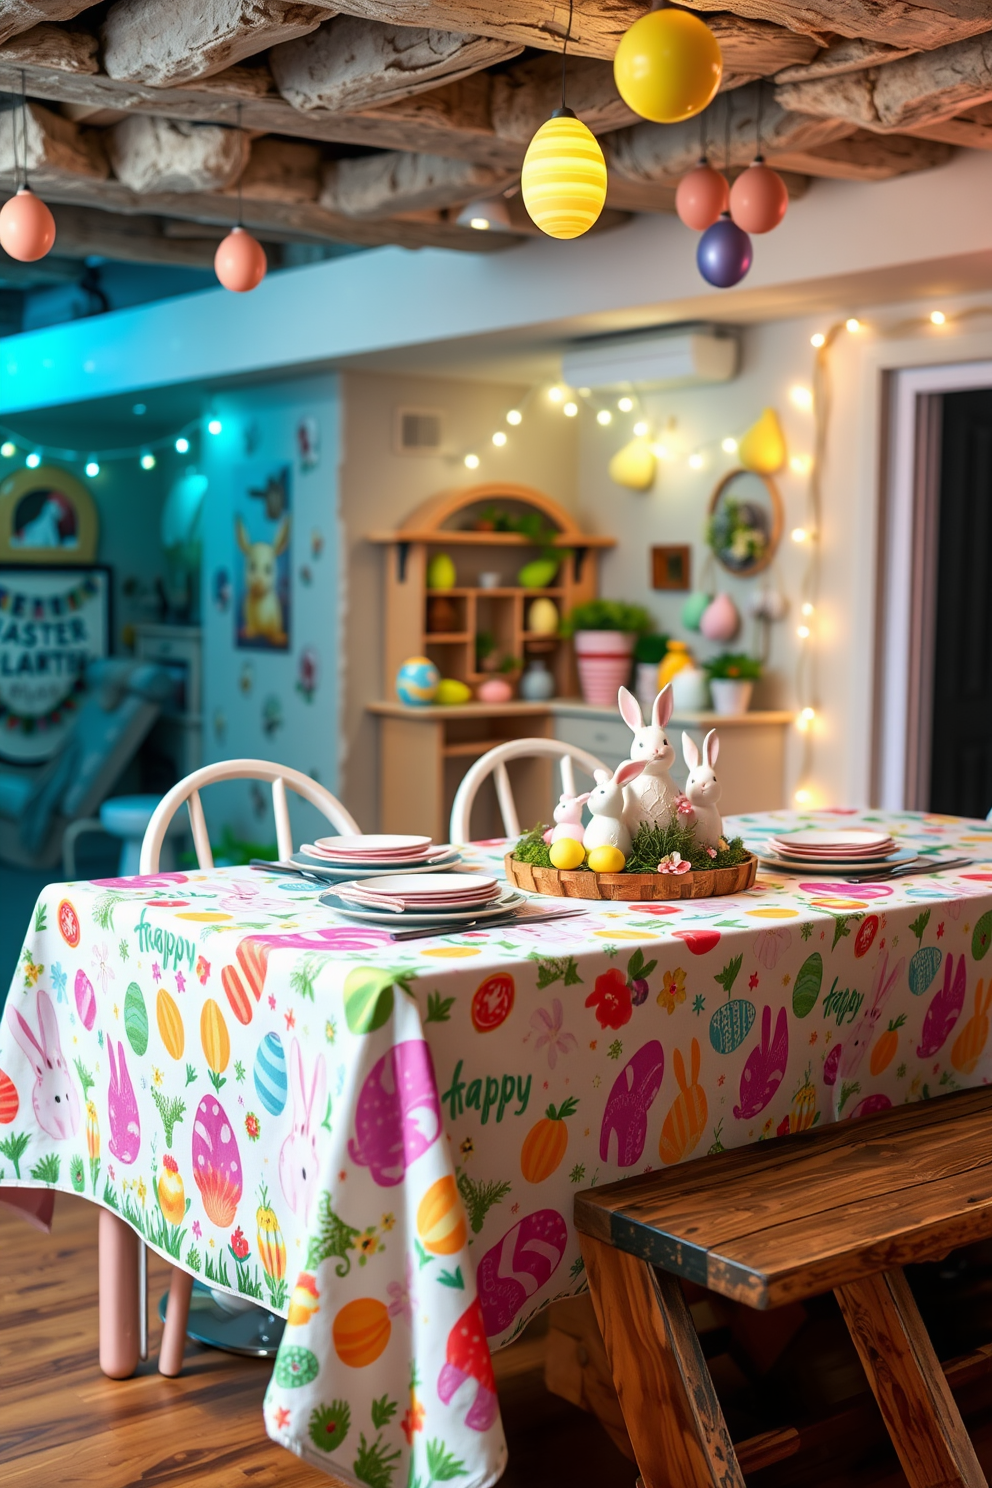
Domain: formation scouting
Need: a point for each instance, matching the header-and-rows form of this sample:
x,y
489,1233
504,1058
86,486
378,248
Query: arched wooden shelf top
x,y
425,523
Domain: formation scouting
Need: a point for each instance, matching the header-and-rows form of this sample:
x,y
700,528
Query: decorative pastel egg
x,y
295,1366
923,967
135,1019
441,572
720,621
563,181
441,1218
731,1024
982,936
170,1024
9,1101
606,860
417,681
543,617
361,1331
806,988
269,1074
240,261
668,66
216,1162
368,999
494,690
694,609
452,692
763,448
540,573
701,195
27,227
85,999
759,198
567,853
634,466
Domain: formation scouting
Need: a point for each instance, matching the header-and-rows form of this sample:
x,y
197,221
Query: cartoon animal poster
x,y
262,531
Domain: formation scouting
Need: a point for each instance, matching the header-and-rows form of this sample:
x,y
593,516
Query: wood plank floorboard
x,y
64,1425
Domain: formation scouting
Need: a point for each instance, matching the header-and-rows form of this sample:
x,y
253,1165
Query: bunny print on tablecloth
x,y
856,1044
54,1097
298,1171
654,797
122,1108
764,1068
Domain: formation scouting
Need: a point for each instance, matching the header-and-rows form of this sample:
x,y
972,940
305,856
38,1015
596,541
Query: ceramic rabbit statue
x,y
568,818
702,789
654,796
606,803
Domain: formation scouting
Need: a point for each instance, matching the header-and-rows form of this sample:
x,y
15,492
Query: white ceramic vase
x,y
690,690
603,658
730,695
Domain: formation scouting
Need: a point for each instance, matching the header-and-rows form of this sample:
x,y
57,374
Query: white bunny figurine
x,y
607,828
654,797
568,818
298,1172
56,1104
702,789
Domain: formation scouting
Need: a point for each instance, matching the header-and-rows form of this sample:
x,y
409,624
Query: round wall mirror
x,y
744,526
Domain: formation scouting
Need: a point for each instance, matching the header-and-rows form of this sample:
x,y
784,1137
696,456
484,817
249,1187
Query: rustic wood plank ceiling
x,y
371,122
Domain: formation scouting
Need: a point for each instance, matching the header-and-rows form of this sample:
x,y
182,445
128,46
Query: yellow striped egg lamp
x,y
563,181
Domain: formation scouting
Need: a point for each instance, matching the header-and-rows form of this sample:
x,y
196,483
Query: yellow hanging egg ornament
x,y
634,466
763,449
563,181
668,66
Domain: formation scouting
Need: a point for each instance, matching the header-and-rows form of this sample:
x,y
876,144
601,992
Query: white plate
x,y
854,837
808,855
374,842
833,868
508,901
335,874
436,885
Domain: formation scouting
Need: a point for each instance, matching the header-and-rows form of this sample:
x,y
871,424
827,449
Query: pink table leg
x,y
170,1354
119,1321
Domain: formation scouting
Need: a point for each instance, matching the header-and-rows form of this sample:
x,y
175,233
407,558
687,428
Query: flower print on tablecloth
x,y
383,1141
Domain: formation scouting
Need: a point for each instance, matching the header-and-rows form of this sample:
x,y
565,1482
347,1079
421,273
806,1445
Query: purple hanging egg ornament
x,y
724,253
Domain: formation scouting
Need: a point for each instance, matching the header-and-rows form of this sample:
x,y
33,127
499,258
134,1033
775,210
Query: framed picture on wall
x,y
47,516
262,584
53,622
671,567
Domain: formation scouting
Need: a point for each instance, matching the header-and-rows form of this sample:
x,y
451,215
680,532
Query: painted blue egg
x,y
417,681
270,1074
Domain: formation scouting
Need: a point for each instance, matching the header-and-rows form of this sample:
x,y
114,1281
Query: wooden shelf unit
x,y
424,753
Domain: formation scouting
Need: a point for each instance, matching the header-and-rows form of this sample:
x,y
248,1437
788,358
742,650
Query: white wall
x,y
379,488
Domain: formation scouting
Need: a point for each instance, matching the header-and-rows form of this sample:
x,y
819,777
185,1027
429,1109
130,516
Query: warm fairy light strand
x,y
144,453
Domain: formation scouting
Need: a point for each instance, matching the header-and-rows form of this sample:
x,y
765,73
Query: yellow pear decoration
x,y
762,448
634,465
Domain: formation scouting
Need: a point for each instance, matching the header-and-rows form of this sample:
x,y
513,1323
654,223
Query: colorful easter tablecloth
x,y
382,1141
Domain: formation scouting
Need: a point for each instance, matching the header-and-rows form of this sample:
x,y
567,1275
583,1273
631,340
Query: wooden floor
x,y
62,1423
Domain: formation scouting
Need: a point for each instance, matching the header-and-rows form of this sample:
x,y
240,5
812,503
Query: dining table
x,y
381,1140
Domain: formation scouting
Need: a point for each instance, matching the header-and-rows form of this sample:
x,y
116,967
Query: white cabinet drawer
x,y
609,741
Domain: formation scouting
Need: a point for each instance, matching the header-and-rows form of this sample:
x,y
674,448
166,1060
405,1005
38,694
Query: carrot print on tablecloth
x,y
545,1144
686,1119
971,1040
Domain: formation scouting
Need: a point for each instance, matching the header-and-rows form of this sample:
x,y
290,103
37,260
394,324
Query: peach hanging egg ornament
x,y
758,198
27,227
720,620
701,196
240,261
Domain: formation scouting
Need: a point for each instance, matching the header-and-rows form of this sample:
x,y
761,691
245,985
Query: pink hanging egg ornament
x,y
701,196
240,261
721,620
27,227
758,198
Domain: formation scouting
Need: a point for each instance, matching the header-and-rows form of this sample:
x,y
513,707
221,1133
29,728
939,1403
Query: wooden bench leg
x,y
912,1393
676,1426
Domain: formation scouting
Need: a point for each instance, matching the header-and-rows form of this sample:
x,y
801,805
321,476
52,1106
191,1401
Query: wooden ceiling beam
x,y
81,232
54,146
148,41
864,156
21,15
156,155
351,64
917,24
846,55
971,130
378,186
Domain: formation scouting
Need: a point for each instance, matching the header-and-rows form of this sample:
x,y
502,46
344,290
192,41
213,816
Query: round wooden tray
x,y
582,883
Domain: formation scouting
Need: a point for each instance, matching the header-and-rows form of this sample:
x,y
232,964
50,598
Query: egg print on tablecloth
x,y
216,1162
269,1074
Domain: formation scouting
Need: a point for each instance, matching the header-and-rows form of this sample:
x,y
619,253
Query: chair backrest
x,y
494,763
280,776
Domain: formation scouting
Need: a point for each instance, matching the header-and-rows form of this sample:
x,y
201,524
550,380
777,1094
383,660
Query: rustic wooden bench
x,y
840,1209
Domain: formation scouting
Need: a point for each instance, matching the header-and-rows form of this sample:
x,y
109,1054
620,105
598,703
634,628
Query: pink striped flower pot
x,y
604,660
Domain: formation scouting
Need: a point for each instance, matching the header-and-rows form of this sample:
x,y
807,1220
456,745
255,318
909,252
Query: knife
x,y
439,931
908,870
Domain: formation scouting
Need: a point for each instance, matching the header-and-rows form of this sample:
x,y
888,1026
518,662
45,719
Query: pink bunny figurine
x,y
56,1104
122,1108
944,1010
608,827
863,1032
654,796
702,789
298,1169
568,817
764,1068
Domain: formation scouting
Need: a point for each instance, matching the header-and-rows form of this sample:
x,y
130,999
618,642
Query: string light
x,y
801,396
696,462
808,609
499,439
802,631
514,417
147,461
937,317
806,718
625,404
8,450
640,429
729,446
800,464
33,460
471,462
92,468
182,445
661,452
555,394
853,325
214,426
800,535
803,797
818,339
604,417
570,410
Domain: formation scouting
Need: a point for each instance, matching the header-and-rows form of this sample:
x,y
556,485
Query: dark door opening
x,y
961,721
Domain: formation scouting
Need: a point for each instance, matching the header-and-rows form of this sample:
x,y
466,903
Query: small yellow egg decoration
x,y
563,181
763,448
668,66
634,466
451,691
566,853
606,860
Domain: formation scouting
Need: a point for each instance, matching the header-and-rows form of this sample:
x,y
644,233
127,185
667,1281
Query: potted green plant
x,y
732,677
604,632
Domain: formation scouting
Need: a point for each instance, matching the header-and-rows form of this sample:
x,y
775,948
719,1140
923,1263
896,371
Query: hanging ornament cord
x,y
726,133
758,157
13,142
240,174
565,110
24,130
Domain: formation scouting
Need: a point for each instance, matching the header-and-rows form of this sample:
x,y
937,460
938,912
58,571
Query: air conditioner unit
x,y
687,356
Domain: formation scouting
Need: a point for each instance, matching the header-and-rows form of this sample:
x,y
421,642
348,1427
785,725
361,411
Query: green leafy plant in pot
x,y
732,677
605,632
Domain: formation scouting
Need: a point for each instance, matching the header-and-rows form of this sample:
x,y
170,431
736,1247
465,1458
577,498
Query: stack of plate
x,y
854,849
449,897
341,858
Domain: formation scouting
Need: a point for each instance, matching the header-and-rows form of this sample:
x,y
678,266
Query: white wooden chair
x,y
279,776
493,762
170,1359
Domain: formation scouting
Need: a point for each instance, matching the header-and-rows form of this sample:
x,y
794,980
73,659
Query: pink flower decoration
x,y
674,863
548,1024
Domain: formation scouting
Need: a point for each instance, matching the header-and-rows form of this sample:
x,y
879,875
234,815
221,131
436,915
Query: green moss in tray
x,y
651,844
